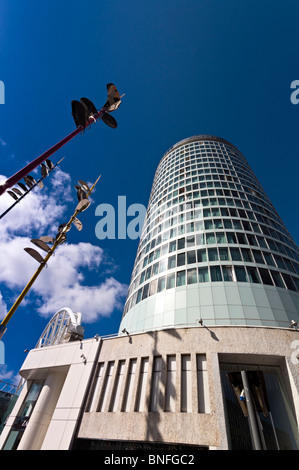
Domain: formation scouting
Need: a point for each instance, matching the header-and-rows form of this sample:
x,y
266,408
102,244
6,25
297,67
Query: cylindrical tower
x,y
207,354
213,248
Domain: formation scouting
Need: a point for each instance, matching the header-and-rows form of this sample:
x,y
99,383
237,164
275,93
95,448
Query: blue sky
x,y
220,67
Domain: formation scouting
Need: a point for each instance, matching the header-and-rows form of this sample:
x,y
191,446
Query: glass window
x,y
252,275
227,273
190,227
261,242
164,249
151,257
153,287
279,429
272,245
227,223
218,223
265,276
23,417
190,241
251,240
172,247
237,224
192,276
215,274
171,262
246,255
231,238
162,265
210,238
268,259
199,225
200,239
223,254
241,238
277,279
148,273
296,282
181,278
289,282
161,284
224,212
155,269
235,253
241,274
209,224
181,243
258,257
203,275
191,257
220,237
279,262
170,281
139,294
289,265
246,226
255,228
201,256
145,291
213,254
142,277
181,259
215,212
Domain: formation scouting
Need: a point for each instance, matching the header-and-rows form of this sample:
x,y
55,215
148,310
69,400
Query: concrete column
x,y
41,416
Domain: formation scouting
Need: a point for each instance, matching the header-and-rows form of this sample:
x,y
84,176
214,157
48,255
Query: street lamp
x,y
83,192
84,113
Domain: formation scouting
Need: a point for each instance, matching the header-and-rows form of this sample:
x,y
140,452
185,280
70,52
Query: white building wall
x,y
66,370
165,386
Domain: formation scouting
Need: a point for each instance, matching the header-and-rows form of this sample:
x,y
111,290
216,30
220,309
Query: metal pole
x,y
27,192
35,163
6,319
256,440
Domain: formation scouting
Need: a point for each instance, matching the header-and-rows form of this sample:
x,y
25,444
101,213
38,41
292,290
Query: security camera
x,y
293,324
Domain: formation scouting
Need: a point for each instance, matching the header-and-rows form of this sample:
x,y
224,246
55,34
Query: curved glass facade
x,y
212,247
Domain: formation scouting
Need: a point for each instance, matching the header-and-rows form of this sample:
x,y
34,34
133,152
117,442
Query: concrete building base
x,y
163,387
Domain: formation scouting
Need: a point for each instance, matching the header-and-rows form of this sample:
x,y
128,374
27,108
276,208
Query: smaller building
x,y
157,390
8,396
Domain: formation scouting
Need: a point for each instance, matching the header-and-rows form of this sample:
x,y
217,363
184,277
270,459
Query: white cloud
x,y
3,307
63,283
9,376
